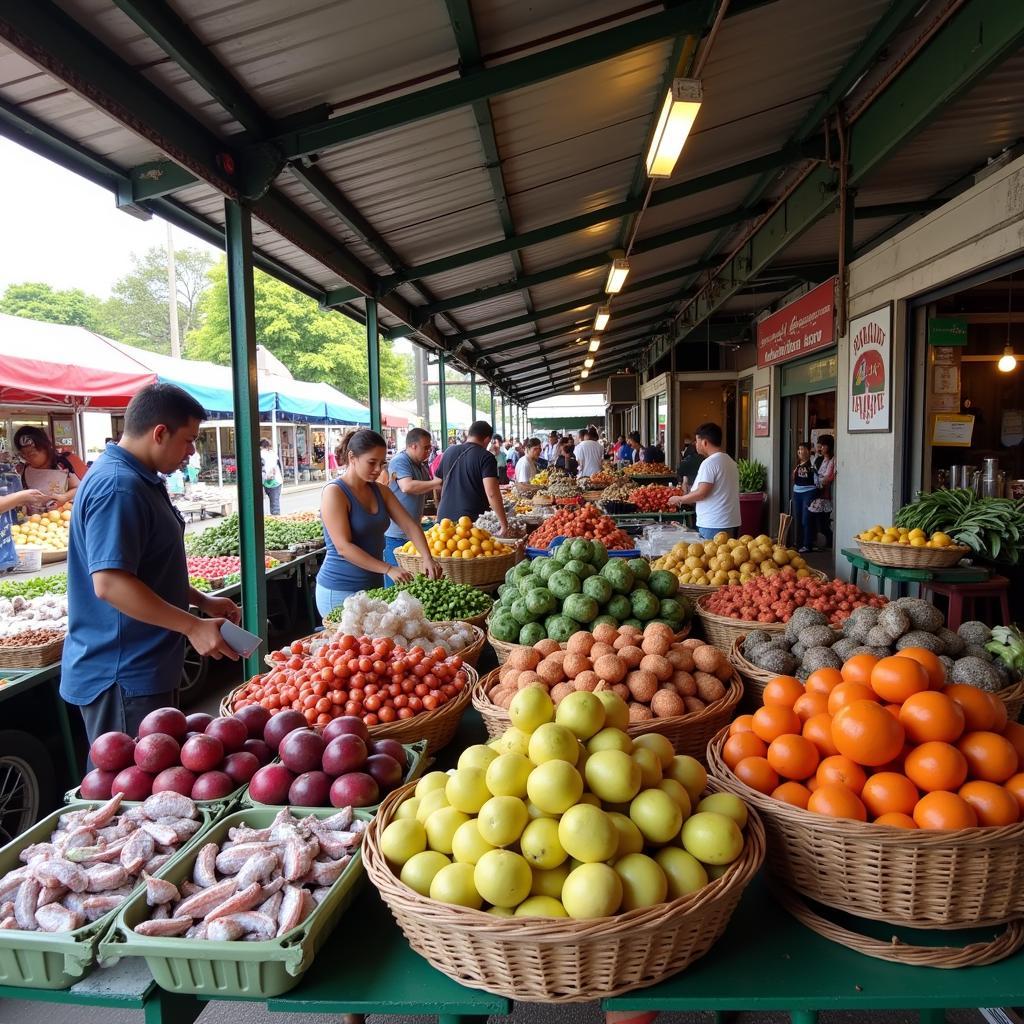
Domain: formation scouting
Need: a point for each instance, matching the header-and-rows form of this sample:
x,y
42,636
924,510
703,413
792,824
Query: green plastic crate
x,y
55,960
214,807
416,753
249,970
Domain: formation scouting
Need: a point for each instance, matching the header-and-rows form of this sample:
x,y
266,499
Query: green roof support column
x,y
242,319
490,415
373,362
472,394
442,400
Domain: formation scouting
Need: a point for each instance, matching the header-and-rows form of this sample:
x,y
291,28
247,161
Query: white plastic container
x,y
30,558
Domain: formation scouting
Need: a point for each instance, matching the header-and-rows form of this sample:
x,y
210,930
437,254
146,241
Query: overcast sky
x,y
61,229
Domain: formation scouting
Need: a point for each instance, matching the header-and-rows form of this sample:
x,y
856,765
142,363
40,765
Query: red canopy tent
x,y
55,364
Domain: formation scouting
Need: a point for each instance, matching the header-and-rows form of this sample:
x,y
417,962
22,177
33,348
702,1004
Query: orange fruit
x,y
793,756
979,708
1015,787
897,678
792,793
841,770
866,733
936,766
837,801
847,693
858,668
929,661
773,721
743,744
741,724
889,792
818,729
823,680
894,819
811,704
782,691
893,709
1014,732
758,774
1002,715
993,804
942,810
990,757
932,716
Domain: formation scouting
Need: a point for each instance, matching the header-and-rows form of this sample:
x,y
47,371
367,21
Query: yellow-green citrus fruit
x,y
466,790
553,742
549,882
610,739
540,846
408,808
649,765
661,745
657,815
531,708
630,838
616,713
690,772
588,834
540,906
712,838
441,827
643,882
554,786
432,800
728,804
502,878
684,872
430,782
507,775
454,884
581,712
502,819
418,871
479,755
468,846
402,839
613,776
592,890
677,791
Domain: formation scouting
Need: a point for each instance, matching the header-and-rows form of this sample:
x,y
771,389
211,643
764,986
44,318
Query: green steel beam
x,y
974,40
651,327
373,364
524,320
242,320
686,16
442,397
527,372
152,181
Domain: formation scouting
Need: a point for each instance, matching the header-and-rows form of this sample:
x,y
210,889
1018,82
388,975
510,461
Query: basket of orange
x,y
466,553
887,794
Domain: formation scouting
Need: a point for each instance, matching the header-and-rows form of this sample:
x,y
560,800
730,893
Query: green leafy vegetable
x,y
1007,644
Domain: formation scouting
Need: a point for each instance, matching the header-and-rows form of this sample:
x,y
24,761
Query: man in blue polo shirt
x,y
410,480
128,589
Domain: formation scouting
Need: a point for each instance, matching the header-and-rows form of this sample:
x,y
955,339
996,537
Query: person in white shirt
x,y
526,466
589,454
273,478
550,451
716,488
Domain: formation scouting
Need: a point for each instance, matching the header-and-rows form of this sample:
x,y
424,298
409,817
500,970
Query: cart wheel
x,y
26,783
193,671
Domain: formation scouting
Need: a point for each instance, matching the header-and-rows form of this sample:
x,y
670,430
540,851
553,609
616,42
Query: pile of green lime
x,y
578,587
442,600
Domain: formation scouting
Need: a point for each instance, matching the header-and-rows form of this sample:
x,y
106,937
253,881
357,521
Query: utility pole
x,y
172,294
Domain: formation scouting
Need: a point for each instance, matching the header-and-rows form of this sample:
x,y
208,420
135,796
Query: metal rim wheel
x,y
26,782
193,671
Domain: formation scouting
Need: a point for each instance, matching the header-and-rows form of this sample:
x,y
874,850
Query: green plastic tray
x,y
414,751
215,807
55,960
248,970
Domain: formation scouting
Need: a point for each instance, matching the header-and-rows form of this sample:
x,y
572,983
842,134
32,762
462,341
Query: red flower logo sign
x,y
868,373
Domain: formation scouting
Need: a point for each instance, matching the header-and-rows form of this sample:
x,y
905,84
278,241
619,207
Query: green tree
x,y
136,312
35,300
313,343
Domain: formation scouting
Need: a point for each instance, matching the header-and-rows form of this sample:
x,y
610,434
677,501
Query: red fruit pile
x,y
199,756
340,767
586,522
374,680
775,598
654,497
212,567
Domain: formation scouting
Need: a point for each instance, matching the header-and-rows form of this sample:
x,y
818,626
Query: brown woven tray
x,y
556,960
906,557
721,630
37,656
688,734
920,878
475,571
1013,697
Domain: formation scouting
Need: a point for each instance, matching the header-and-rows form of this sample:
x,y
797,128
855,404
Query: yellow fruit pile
x,y
726,559
47,529
459,540
908,538
565,815
541,479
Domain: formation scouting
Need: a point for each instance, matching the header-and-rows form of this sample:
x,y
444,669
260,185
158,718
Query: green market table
x,y
23,681
900,577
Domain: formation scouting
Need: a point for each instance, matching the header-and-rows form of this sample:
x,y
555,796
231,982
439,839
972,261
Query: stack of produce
x,y
220,567
47,529
32,638
459,540
404,620
649,469
618,490
654,497
35,586
908,538
884,740
198,756
249,887
586,523
561,485
279,534
776,598
809,642
521,508
657,677
517,528
603,479
725,559
540,479
21,614
92,862
375,679
442,600
338,767
579,588
568,817
990,527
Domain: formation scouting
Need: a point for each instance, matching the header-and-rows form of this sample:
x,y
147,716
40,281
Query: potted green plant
x,y
753,494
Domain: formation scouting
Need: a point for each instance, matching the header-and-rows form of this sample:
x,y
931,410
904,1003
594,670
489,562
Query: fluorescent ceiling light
x,y
678,113
584,373
603,316
595,344
617,274
588,362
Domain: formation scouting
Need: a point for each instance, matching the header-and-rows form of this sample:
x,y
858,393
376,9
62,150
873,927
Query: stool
x,y
994,589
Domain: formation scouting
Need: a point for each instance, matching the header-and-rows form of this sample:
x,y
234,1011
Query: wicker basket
x,y
688,734
1013,698
502,650
475,571
904,556
722,630
557,960
527,490
923,879
37,656
754,678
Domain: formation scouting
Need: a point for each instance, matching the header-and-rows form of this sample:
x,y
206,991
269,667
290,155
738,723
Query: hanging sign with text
x,y
799,328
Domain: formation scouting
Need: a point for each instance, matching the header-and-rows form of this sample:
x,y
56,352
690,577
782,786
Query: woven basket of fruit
x,y
723,630
559,960
907,557
481,571
32,649
754,678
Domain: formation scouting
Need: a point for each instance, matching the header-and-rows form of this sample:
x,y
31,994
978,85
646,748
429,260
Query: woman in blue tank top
x,y
356,511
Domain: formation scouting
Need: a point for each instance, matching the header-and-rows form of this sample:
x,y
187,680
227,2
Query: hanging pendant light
x,y
1008,361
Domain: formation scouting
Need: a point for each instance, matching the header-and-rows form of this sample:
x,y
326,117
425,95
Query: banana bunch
x,y
541,479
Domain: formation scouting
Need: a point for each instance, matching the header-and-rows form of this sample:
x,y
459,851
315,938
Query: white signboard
x,y
869,408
